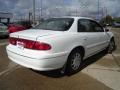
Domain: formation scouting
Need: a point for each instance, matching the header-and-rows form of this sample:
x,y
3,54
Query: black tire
x,y
111,47
74,62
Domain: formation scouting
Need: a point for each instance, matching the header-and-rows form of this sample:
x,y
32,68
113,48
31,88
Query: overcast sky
x,y
62,7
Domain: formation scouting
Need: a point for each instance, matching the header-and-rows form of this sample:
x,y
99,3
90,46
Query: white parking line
x,y
110,76
107,77
10,68
116,54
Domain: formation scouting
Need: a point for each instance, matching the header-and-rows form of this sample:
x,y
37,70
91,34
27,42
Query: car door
x,y
103,38
91,37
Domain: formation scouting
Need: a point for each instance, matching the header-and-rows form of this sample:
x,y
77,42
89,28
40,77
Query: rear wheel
x,y
74,62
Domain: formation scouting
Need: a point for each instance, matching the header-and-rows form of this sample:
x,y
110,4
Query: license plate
x,y
20,45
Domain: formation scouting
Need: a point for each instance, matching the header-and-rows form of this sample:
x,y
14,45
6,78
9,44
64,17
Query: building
x,y
5,17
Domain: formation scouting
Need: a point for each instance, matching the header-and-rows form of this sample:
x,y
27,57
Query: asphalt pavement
x,y
101,72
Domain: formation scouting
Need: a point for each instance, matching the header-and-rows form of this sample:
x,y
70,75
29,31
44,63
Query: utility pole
x,y
76,12
30,14
106,10
41,8
98,9
39,14
33,12
103,12
106,14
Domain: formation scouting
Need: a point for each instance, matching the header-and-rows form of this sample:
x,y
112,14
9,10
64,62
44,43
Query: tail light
x,y
41,46
34,45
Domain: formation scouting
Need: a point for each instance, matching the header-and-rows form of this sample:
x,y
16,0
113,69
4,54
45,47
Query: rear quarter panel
x,y
64,42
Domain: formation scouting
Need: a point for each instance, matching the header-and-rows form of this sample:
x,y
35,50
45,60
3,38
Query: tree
x,y
106,20
109,20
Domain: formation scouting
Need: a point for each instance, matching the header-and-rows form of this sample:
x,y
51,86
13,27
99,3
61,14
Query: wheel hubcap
x,y
76,61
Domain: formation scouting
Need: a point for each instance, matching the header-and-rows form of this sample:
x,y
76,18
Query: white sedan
x,y
59,43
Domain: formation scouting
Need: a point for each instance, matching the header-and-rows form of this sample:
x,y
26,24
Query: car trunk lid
x,y
33,34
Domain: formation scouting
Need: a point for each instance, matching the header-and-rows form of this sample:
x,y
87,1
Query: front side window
x,y
56,24
83,25
86,25
95,27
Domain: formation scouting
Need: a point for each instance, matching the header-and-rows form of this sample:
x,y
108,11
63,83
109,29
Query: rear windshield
x,y
56,24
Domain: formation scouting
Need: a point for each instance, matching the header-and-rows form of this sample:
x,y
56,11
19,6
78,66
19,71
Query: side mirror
x,y
107,30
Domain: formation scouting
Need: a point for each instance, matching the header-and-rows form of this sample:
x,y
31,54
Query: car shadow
x,y
92,59
53,73
85,63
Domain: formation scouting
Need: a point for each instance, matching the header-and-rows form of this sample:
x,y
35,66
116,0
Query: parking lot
x,y
101,72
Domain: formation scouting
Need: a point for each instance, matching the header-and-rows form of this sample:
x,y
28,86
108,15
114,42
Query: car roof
x,y
75,17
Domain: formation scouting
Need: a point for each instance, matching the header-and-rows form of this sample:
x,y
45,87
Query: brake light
x,y
41,46
30,44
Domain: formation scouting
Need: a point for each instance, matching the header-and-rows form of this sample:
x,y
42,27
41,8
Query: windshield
x,y
56,24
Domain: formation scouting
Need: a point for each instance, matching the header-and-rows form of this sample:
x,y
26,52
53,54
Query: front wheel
x,y
74,62
111,46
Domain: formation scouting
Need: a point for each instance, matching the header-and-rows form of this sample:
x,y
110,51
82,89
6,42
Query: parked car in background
x,y
59,43
3,30
19,26
116,24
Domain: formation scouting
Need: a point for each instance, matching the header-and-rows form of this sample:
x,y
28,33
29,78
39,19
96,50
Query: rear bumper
x,y
45,64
